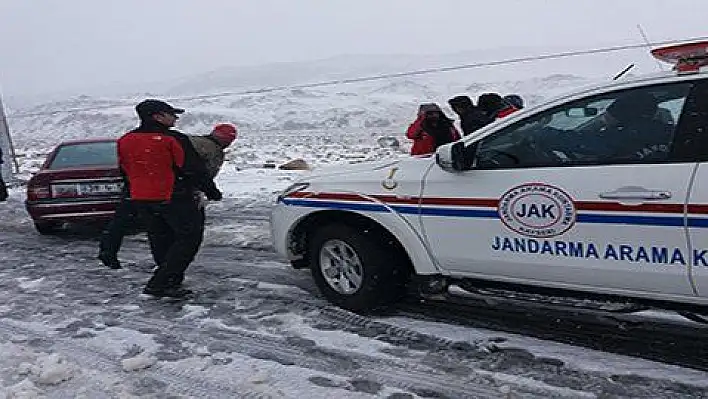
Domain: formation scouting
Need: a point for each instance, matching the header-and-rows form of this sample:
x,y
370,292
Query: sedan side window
x,y
629,126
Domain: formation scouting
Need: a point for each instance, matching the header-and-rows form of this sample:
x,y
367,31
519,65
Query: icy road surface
x,y
72,328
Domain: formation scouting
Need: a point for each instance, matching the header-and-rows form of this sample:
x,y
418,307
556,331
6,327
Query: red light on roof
x,y
686,58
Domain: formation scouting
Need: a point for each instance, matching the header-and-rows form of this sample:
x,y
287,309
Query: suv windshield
x,y
85,154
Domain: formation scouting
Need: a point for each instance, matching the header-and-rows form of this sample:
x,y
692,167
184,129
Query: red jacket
x,y
150,161
424,143
506,111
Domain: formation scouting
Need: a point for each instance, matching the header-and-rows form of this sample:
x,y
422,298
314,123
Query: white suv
x,y
603,192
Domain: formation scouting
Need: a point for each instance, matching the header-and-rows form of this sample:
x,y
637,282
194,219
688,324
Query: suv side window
x,y
691,143
628,126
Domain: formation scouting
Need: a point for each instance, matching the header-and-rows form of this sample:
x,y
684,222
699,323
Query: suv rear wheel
x,y
356,269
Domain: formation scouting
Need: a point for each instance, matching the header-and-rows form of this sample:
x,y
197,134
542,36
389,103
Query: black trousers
x,y
124,219
175,232
3,190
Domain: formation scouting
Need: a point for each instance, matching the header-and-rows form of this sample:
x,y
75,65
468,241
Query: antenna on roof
x,y
625,70
646,40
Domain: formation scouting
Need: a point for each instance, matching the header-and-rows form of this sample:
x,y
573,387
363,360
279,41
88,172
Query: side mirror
x,y
581,112
455,157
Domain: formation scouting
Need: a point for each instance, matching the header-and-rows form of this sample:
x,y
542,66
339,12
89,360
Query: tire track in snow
x,y
390,333
426,379
485,351
181,382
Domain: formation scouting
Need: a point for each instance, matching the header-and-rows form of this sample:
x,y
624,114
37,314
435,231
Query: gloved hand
x,y
214,195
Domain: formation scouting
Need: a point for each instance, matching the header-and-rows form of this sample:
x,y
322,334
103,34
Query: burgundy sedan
x,y
78,183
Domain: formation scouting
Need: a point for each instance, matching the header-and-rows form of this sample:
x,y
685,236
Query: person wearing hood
x,y
494,106
471,117
515,100
431,129
164,172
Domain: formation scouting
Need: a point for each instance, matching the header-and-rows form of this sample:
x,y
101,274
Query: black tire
x,y
46,228
383,267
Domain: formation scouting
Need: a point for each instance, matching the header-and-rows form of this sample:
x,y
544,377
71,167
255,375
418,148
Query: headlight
x,y
293,188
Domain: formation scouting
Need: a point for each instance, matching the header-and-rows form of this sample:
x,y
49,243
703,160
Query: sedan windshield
x,y
85,154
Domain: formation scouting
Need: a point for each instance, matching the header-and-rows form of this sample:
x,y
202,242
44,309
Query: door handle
x,y
636,194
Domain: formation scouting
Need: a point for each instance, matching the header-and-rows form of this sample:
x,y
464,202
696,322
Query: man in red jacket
x,y
163,172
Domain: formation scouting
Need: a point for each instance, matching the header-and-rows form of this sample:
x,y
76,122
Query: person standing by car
x,y
209,147
164,171
3,186
430,130
471,117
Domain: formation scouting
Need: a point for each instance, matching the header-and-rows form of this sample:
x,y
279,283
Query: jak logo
x,y
537,210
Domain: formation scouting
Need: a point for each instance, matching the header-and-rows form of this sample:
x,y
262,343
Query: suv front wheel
x,y
356,269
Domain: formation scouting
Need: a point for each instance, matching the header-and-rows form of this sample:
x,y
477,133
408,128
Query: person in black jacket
x,y
210,149
164,172
494,106
3,187
471,117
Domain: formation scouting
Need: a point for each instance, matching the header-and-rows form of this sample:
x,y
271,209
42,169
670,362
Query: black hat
x,y
490,102
150,107
460,100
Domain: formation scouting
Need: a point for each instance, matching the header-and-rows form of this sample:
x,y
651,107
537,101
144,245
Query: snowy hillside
x,y
331,123
316,124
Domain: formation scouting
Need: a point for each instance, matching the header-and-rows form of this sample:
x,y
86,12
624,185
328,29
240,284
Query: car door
x,y
692,145
579,195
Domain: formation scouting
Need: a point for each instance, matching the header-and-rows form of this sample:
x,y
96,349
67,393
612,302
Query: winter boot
x,y
169,292
109,260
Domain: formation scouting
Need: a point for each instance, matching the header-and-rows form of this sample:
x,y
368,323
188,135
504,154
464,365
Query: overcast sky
x,y
56,45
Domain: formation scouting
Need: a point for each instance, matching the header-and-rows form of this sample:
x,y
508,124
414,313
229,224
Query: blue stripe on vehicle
x,y
697,222
455,212
675,221
593,218
352,206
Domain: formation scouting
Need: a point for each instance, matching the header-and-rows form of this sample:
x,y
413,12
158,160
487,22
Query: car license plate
x,y
99,188
65,190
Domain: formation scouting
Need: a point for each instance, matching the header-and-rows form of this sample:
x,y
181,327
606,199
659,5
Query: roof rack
x,y
686,57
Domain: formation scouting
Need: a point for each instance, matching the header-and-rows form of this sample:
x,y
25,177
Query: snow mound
x,y
50,369
139,362
27,284
24,389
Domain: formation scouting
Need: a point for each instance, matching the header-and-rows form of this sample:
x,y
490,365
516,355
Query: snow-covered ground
x,y
72,328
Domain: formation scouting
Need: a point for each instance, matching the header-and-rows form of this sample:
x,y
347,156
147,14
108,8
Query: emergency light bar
x,y
686,58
